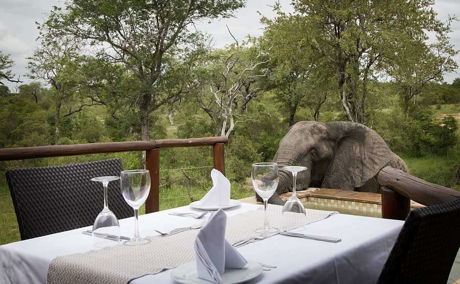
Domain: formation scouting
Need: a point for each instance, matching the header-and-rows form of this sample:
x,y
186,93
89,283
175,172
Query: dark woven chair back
x,y
426,246
54,199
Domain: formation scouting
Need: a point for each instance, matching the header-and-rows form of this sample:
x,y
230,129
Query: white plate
x,y
231,204
186,274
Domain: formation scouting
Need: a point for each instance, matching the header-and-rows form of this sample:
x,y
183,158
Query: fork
x,y
243,242
180,230
189,214
267,267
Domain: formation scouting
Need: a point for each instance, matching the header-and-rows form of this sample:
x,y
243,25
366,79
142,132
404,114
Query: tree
x,y
141,35
22,122
295,73
33,89
359,39
5,69
230,80
418,64
456,83
4,91
56,62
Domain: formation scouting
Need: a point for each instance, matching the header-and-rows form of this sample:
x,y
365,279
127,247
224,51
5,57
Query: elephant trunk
x,y
285,177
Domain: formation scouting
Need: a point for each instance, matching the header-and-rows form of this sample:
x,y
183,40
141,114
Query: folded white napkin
x,y
213,253
219,194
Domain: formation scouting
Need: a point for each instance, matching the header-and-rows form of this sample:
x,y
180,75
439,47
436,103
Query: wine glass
x,y
293,204
106,222
265,181
135,187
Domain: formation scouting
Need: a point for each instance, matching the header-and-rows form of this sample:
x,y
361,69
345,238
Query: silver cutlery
x,y
243,242
267,267
107,236
180,230
189,214
312,237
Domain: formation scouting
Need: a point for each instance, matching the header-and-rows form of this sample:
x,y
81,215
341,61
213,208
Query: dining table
x,y
358,258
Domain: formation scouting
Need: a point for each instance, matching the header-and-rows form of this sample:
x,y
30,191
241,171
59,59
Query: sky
x,y
18,31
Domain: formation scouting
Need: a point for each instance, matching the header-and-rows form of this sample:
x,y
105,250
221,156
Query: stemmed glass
x,y
265,181
135,187
106,222
293,204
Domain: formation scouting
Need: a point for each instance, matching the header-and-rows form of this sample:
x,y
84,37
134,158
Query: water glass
x,y
135,187
265,181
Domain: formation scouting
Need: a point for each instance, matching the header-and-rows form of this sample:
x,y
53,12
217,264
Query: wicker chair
x,y
426,246
54,199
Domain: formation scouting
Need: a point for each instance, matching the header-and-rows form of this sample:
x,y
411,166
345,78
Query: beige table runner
x,y
120,264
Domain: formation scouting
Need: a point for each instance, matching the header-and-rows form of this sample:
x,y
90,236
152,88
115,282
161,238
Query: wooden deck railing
x,y
398,188
152,154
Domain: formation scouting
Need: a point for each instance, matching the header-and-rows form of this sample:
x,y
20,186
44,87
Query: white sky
x,y
18,30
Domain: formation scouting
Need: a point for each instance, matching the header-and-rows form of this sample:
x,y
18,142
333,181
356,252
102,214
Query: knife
x,y
312,237
106,236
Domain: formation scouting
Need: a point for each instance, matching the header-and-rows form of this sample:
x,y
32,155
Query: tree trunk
x,y
292,112
345,105
343,92
145,125
316,113
57,119
144,117
405,102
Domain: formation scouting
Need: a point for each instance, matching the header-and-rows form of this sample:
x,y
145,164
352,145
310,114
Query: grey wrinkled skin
x,y
340,155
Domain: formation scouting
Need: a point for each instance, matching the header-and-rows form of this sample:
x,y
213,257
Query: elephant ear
x,y
359,156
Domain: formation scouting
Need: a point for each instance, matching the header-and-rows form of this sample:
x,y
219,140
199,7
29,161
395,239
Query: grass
x,y
446,109
435,169
9,231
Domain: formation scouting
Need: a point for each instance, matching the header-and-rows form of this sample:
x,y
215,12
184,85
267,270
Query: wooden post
x,y
218,153
152,163
394,205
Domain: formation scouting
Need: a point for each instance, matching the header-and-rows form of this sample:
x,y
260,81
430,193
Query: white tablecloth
x,y
359,258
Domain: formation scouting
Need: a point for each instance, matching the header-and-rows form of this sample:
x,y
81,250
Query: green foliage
x,y
423,134
438,169
5,69
296,74
239,157
4,91
355,42
22,123
159,52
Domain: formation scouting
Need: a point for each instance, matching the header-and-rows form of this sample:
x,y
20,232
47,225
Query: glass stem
x,y
266,226
106,201
294,186
136,224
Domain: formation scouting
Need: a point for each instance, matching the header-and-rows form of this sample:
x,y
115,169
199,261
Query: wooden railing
x,y
152,156
398,188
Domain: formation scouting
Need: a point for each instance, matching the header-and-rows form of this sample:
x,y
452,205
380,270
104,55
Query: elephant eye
x,y
314,153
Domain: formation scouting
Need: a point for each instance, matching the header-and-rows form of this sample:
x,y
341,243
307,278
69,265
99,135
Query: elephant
x,y
341,155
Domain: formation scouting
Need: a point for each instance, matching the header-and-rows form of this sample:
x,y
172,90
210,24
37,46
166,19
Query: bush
x,y
240,154
425,135
442,170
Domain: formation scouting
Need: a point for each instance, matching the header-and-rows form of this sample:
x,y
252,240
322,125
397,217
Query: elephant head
x,y
342,155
